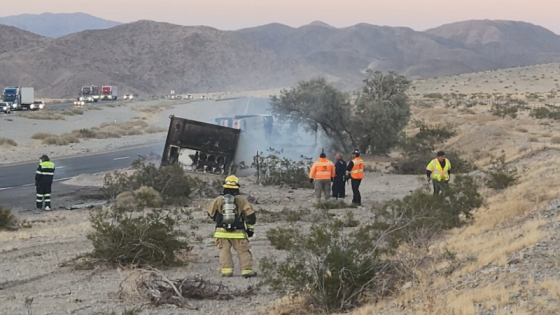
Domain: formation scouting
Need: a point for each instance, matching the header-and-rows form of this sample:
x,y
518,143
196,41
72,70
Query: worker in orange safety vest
x,y
322,175
355,170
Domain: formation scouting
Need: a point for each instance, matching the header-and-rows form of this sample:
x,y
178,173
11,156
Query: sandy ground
x,y
31,258
506,260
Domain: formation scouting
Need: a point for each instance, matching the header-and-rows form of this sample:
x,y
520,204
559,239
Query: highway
x,y
22,175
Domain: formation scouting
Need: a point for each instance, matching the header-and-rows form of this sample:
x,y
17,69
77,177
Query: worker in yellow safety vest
x,y
439,172
235,220
356,174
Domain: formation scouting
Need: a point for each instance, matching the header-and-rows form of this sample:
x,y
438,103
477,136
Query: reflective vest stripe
x,y
238,234
357,171
250,226
439,173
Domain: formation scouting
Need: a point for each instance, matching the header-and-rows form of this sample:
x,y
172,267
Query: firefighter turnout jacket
x,y
245,217
44,174
322,169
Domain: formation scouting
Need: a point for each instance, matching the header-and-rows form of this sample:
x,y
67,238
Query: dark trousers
x,y
43,194
356,198
440,186
338,189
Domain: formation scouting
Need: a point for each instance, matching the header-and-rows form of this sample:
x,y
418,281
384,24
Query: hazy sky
x,y
236,14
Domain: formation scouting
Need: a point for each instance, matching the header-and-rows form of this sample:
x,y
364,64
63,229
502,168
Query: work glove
x,y
250,233
311,180
429,179
332,179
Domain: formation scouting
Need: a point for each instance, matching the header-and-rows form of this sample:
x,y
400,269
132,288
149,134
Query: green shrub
x,y
329,268
333,269
136,231
7,220
171,182
275,170
501,176
545,112
503,110
419,150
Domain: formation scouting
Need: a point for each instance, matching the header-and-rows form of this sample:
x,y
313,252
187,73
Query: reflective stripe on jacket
x,y
322,169
439,173
45,173
222,233
357,171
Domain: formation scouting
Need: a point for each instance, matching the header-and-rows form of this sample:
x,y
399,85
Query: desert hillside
x,y
153,58
502,261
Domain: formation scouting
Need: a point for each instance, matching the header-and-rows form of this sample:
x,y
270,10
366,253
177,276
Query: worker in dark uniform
x,y
43,182
356,174
338,189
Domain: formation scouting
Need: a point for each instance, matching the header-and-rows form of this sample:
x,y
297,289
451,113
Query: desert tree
x,y
320,104
372,122
382,111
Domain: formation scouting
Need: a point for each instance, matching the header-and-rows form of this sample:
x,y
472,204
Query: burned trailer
x,y
199,146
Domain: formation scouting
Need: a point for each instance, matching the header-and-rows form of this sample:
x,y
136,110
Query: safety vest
x,y
322,169
439,173
357,171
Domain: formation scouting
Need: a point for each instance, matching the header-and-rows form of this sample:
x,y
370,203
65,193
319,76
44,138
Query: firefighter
x,y
322,175
338,189
356,173
235,220
439,172
43,182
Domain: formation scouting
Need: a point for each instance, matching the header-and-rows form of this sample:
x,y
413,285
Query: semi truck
x,y
109,93
88,94
216,148
18,97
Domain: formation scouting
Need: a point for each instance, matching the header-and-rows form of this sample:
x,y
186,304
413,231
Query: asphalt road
x,y
23,175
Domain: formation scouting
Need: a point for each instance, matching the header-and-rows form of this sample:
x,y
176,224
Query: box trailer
x,y
199,146
109,93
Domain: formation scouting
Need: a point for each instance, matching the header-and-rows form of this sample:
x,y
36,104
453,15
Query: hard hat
x,y
231,182
356,151
44,157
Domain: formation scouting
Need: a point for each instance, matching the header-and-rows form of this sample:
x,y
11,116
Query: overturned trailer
x,y
199,146
215,148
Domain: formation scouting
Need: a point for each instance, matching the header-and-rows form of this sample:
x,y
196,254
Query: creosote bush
x,y
276,170
419,150
501,176
506,109
332,269
7,220
171,182
137,231
8,142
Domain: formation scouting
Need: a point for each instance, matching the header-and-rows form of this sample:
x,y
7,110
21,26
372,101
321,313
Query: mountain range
x,y
154,57
56,24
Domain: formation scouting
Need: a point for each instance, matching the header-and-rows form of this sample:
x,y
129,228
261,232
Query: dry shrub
x,y
72,112
138,232
555,140
152,109
41,115
64,139
42,135
154,129
154,286
112,130
8,142
7,220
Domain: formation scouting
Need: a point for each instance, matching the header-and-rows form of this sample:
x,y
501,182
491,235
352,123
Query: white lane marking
x,y
121,158
59,167
64,178
6,188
